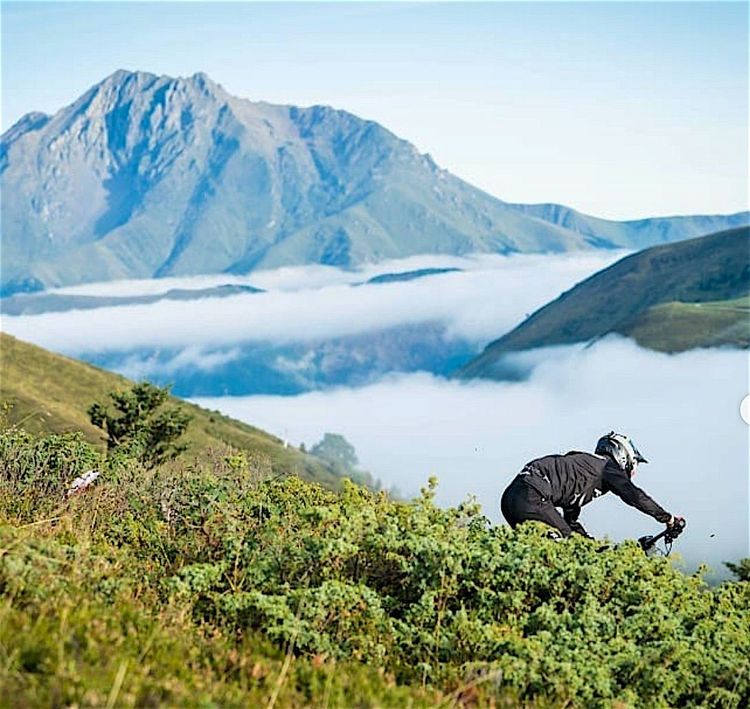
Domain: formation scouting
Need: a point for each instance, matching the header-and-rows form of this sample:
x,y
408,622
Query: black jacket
x,y
572,480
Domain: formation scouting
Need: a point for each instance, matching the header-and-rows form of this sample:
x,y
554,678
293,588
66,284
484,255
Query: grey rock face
x,y
147,176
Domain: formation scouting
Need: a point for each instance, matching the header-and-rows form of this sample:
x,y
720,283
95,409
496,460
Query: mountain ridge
x,y
668,228
147,176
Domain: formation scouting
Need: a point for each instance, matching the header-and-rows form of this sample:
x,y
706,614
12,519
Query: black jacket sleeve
x,y
619,482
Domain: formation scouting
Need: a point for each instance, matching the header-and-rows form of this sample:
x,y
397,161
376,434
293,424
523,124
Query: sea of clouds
x,y
682,410
487,297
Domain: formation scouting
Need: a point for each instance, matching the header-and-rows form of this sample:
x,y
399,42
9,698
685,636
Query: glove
x,y
675,525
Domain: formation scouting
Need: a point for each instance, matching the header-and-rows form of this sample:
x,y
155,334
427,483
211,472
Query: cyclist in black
x,y
572,480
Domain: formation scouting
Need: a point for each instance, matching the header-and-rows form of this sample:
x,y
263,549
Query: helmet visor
x,y
637,455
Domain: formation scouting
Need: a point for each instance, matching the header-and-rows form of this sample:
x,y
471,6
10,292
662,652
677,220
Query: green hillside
x,y
675,327
49,393
203,582
668,298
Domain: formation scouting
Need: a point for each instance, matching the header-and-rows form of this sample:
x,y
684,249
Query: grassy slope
x,y
51,393
675,327
628,297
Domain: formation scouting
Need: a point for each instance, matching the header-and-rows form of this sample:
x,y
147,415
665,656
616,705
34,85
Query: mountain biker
x,y
572,480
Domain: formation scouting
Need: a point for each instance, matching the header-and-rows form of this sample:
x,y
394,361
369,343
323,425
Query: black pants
x,y
522,502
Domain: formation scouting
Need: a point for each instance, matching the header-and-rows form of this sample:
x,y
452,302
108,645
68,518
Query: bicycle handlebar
x,y
669,534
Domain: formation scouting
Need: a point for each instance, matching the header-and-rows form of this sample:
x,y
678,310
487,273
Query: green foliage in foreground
x,y
210,586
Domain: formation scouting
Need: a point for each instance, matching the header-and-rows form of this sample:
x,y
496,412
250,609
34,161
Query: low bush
x,y
35,472
217,585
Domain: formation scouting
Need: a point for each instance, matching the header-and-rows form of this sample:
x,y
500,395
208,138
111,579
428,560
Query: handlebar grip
x,y
678,526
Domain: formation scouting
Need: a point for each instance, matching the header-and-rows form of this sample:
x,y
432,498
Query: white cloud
x,y
288,278
488,297
682,410
142,367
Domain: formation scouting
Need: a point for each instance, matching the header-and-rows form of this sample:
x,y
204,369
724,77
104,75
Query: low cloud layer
x,y
682,410
489,296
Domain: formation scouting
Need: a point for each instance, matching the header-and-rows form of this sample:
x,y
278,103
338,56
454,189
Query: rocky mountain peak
x,y
148,175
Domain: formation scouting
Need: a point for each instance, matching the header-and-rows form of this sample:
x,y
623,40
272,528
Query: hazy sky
x,y
619,109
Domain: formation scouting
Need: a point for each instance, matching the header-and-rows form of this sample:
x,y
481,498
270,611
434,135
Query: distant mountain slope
x,y
50,393
636,234
290,368
152,176
667,297
674,327
147,176
409,275
36,303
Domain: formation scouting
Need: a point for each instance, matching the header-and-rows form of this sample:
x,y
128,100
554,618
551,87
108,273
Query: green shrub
x,y
141,424
35,472
197,586
436,595
741,569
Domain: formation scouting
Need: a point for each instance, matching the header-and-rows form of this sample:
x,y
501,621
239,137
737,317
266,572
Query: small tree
x,y
741,569
337,450
342,458
141,424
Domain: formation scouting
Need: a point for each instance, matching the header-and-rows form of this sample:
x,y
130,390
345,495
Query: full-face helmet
x,y
621,450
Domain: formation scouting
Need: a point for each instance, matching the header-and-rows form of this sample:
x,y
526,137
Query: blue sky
x,y
619,109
